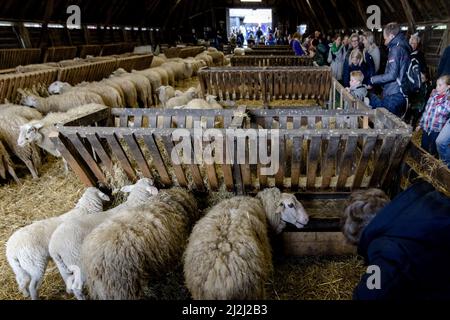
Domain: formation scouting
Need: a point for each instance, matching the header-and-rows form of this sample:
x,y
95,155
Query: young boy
x,y
436,114
357,89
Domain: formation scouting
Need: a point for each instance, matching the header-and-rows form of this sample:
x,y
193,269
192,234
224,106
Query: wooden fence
x,y
95,71
10,83
137,62
10,58
270,52
89,50
56,54
267,83
310,150
271,61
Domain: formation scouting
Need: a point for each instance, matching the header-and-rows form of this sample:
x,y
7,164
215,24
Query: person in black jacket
x,y
444,64
394,77
409,241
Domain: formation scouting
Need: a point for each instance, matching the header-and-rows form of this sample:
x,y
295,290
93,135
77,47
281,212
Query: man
x,y
394,97
408,242
444,64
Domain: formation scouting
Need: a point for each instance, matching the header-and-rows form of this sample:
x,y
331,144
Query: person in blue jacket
x,y
394,77
409,240
296,45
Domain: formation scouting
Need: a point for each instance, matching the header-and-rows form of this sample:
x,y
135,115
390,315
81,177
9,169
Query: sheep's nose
x,y
291,205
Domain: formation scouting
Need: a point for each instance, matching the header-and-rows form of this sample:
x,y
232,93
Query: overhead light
x,y
5,24
55,26
404,28
92,27
251,0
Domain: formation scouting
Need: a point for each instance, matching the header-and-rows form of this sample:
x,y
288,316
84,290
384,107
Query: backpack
x,y
413,76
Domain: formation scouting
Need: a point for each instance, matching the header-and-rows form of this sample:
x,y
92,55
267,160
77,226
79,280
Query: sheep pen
x,y
294,278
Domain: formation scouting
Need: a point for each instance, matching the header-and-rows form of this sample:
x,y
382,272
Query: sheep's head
x,y
211,99
188,69
178,93
119,72
292,211
192,93
92,200
56,87
29,133
141,190
29,101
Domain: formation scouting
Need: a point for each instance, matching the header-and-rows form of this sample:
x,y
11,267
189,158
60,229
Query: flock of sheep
x,y
117,253
25,128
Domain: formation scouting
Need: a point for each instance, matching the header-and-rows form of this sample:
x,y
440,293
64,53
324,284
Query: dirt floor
x,y
54,193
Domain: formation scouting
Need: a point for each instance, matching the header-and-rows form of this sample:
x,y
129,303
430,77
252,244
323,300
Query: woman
x,y
336,57
296,45
371,48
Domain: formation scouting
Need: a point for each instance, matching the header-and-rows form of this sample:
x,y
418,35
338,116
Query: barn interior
x,y
332,144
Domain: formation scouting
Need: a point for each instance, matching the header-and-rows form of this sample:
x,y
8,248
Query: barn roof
x,y
328,14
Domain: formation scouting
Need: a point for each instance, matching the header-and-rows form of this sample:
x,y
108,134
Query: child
x,y
357,63
436,114
357,89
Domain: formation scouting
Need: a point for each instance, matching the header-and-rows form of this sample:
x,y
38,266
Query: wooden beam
x,y
362,12
408,13
341,18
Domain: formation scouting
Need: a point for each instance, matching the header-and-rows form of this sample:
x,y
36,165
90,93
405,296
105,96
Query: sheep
x,y
127,88
157,61
208,103
228,255
362,207
154,78
6,164
27,249
142,84
205,57
25,112
110,95
38,131
181,100
218,57
239,52
9,133
165,93
164,75
139,244
170,69
213,102
61,103
66,241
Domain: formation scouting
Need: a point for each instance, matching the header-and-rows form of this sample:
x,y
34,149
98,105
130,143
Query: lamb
x,y
181,100
228,255
110,95
27,249
6,164
61,103
362,207
208,103
38,131
213,102
122,255
142,84
9,133
66,241
165,93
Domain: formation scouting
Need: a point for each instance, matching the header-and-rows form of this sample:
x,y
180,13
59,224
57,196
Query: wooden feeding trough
x,y
322,154
55,54
272,47
271,61
10,58
135,62
266,83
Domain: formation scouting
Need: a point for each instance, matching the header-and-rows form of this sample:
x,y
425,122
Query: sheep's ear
x,y
152,190
38,125
127,189
103,196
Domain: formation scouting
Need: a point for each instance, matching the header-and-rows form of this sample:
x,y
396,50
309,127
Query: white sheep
x,y
25,112
27,249
164,75
213,102
61,103
66,241
362,207
141,83
38,131
228,255
127,88
154,78
165,93
138,245
239,52
9,133
109,94
181,100
157,61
